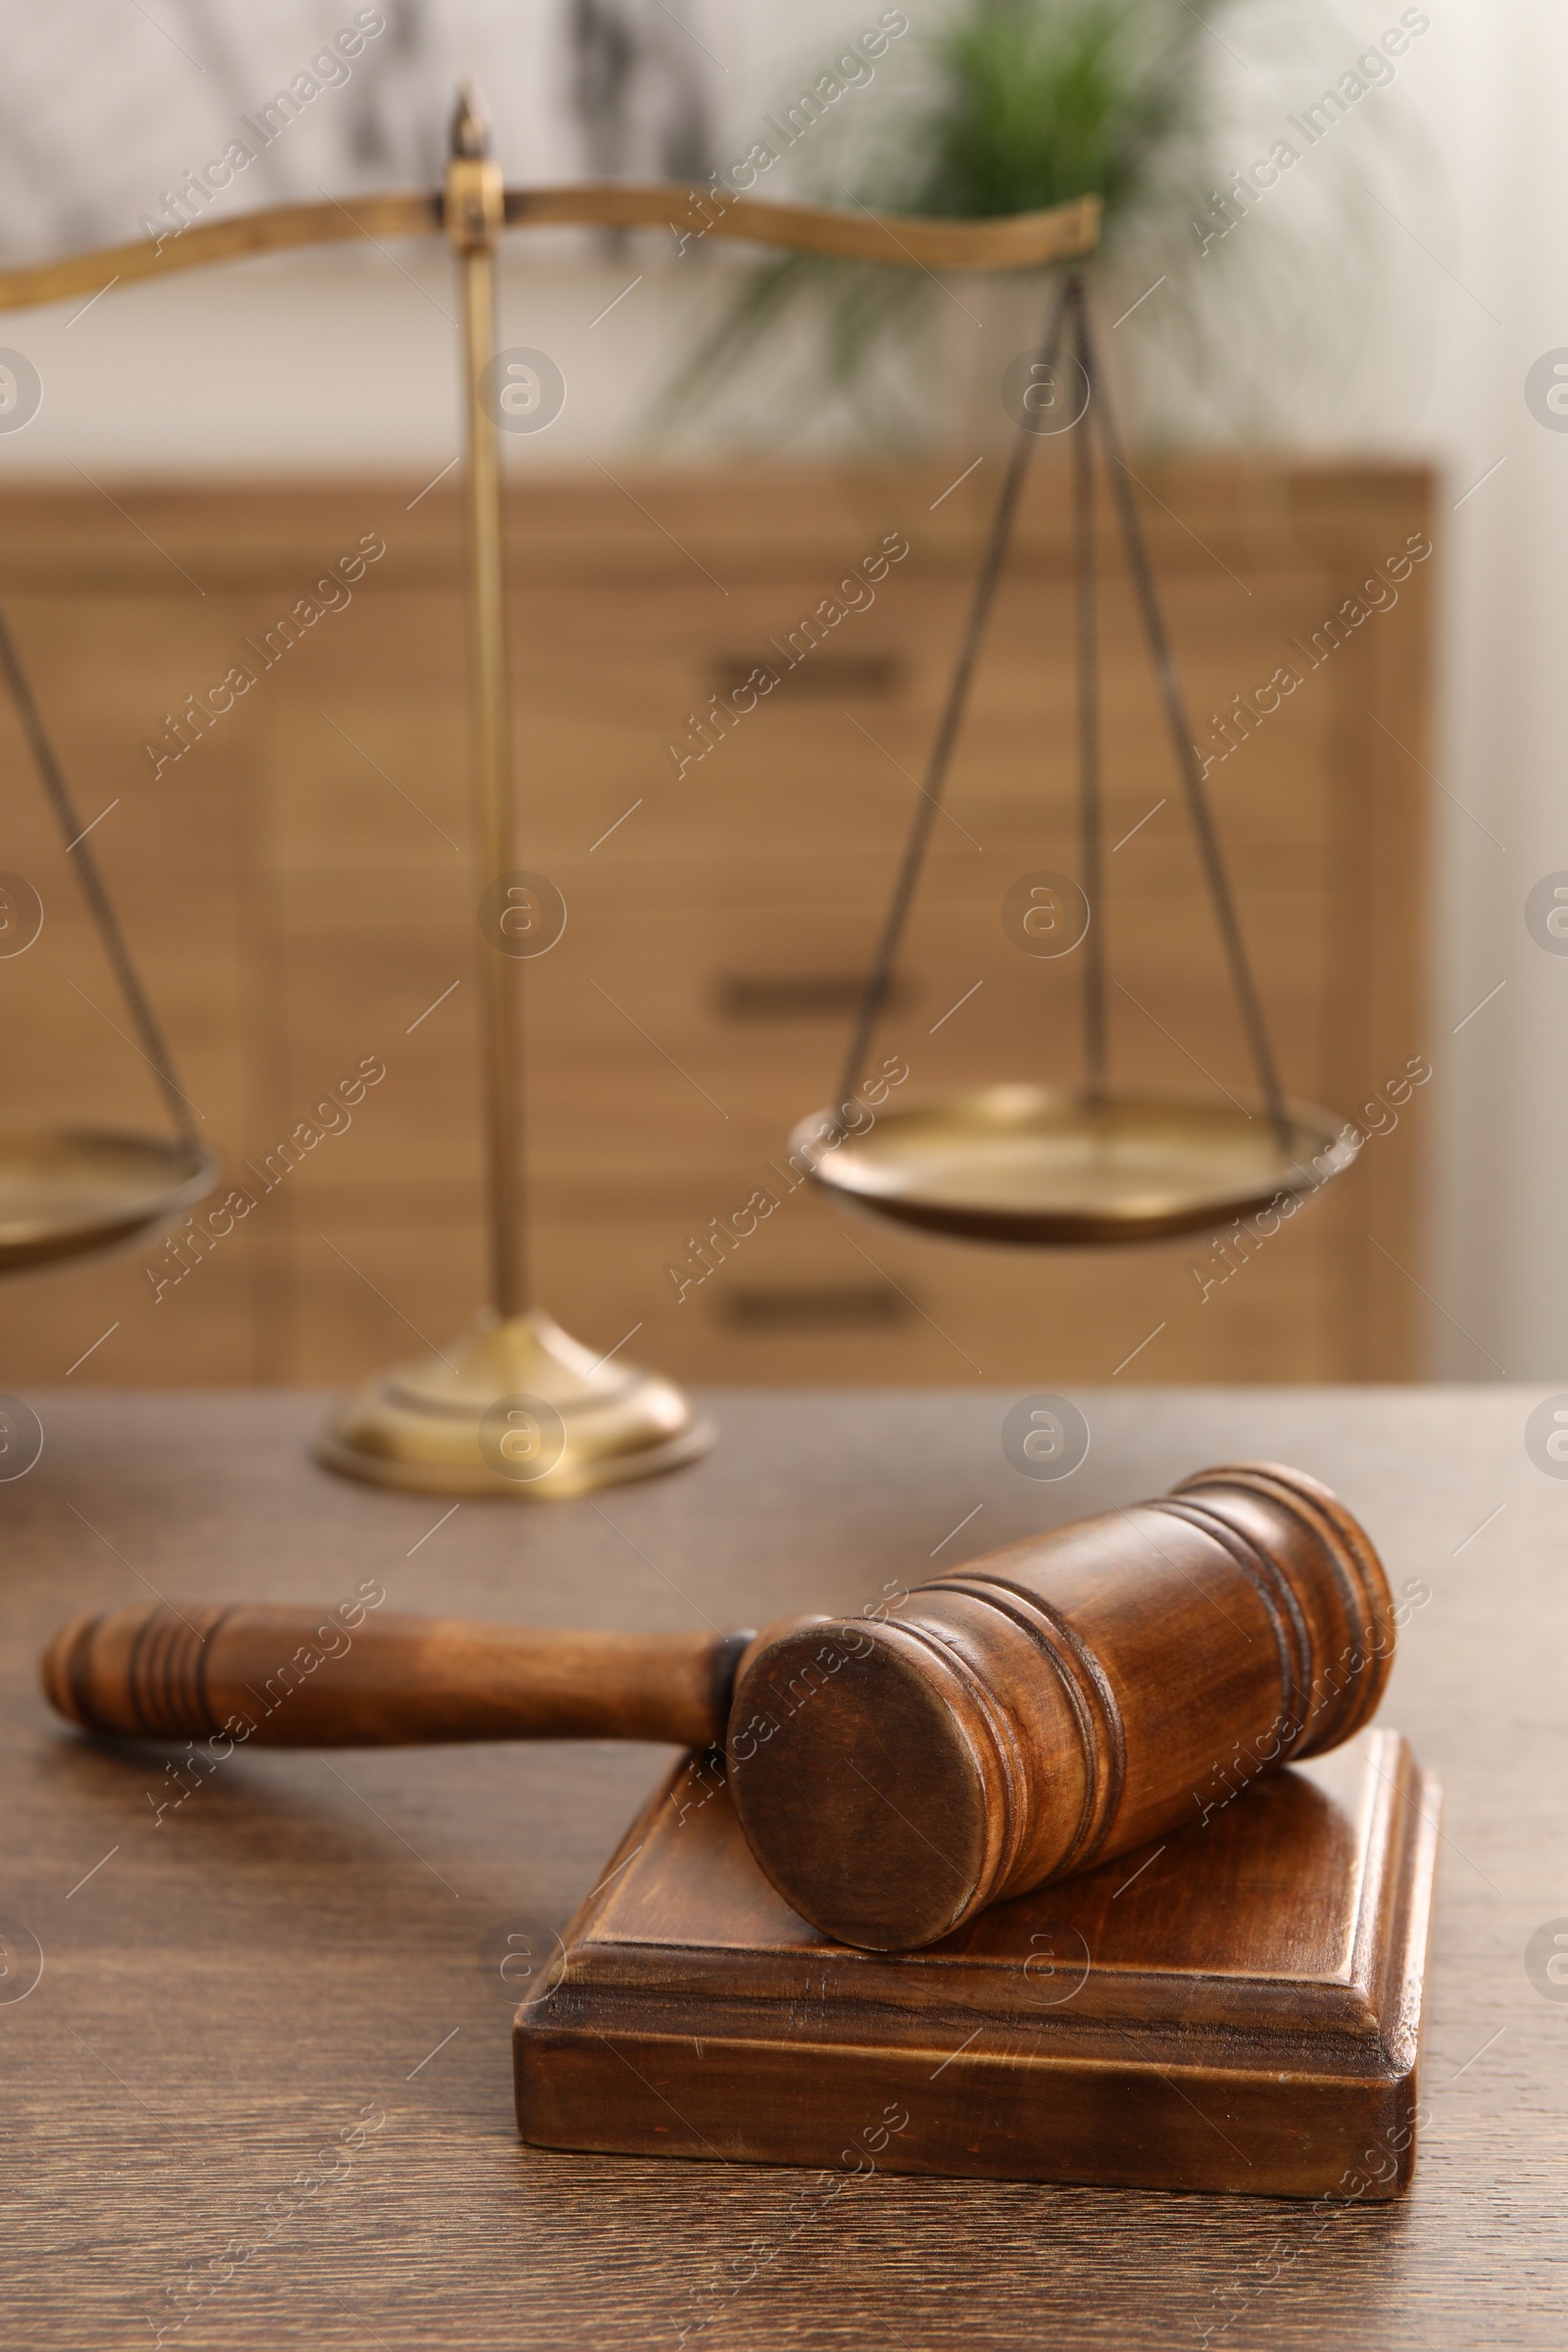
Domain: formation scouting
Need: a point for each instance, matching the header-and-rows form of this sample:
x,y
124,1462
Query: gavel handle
x,y
311,1678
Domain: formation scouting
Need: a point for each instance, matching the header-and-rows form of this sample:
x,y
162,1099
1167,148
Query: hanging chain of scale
x,y
1094,1162
70,1193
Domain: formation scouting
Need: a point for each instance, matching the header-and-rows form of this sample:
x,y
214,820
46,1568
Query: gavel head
x,y
1060,1702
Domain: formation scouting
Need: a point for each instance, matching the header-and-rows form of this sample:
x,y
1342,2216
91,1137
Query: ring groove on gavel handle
x,y
165,1682
295,1677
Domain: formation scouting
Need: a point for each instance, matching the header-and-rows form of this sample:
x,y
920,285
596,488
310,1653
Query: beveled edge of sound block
x,y
1236,2009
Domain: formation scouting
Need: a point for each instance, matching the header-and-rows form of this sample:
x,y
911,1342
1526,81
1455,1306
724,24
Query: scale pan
x,y
1041,1164
72,1191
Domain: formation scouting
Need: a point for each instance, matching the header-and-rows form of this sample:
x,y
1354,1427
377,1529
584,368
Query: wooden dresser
x,y
297,888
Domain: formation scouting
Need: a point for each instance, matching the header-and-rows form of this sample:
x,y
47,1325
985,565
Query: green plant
x,y
1038,101
1004,105
1008,106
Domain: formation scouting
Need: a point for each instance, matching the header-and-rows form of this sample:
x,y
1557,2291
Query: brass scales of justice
x,y
516,1405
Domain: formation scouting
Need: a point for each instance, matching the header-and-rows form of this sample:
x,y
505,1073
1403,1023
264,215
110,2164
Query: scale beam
x,y
898,241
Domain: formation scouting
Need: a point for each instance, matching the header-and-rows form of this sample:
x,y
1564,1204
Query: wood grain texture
x,y
295,889
1018,1719
1248,2024
1024,241
1036,1711
226,1677
225,1992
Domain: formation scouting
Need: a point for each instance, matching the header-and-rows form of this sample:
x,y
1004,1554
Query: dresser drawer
x,y
813,1296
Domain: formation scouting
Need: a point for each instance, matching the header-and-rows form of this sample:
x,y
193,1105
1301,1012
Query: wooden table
x,y
302,1948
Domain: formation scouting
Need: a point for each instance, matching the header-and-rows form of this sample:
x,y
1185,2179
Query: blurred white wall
x,y
1438,276
342,357
1500,1263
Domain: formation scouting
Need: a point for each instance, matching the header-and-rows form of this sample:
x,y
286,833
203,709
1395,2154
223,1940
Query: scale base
x,y
514,1406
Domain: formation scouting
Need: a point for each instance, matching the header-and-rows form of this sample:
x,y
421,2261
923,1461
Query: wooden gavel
x,y
1026,1716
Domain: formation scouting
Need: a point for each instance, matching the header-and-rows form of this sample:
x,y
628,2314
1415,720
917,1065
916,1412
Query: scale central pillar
x,y
513,1405
476,213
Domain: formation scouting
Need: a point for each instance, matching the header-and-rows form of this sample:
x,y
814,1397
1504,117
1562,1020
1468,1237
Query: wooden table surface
x,y
302,1946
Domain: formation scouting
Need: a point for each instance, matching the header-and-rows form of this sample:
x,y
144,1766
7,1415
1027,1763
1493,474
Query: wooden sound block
x,y
1236,2009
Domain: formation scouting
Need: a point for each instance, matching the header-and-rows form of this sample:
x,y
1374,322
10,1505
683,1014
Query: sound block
x,y
1236,2009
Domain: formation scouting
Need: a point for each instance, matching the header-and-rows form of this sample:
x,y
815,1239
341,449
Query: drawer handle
x,y
804,1307
796,996
819,674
